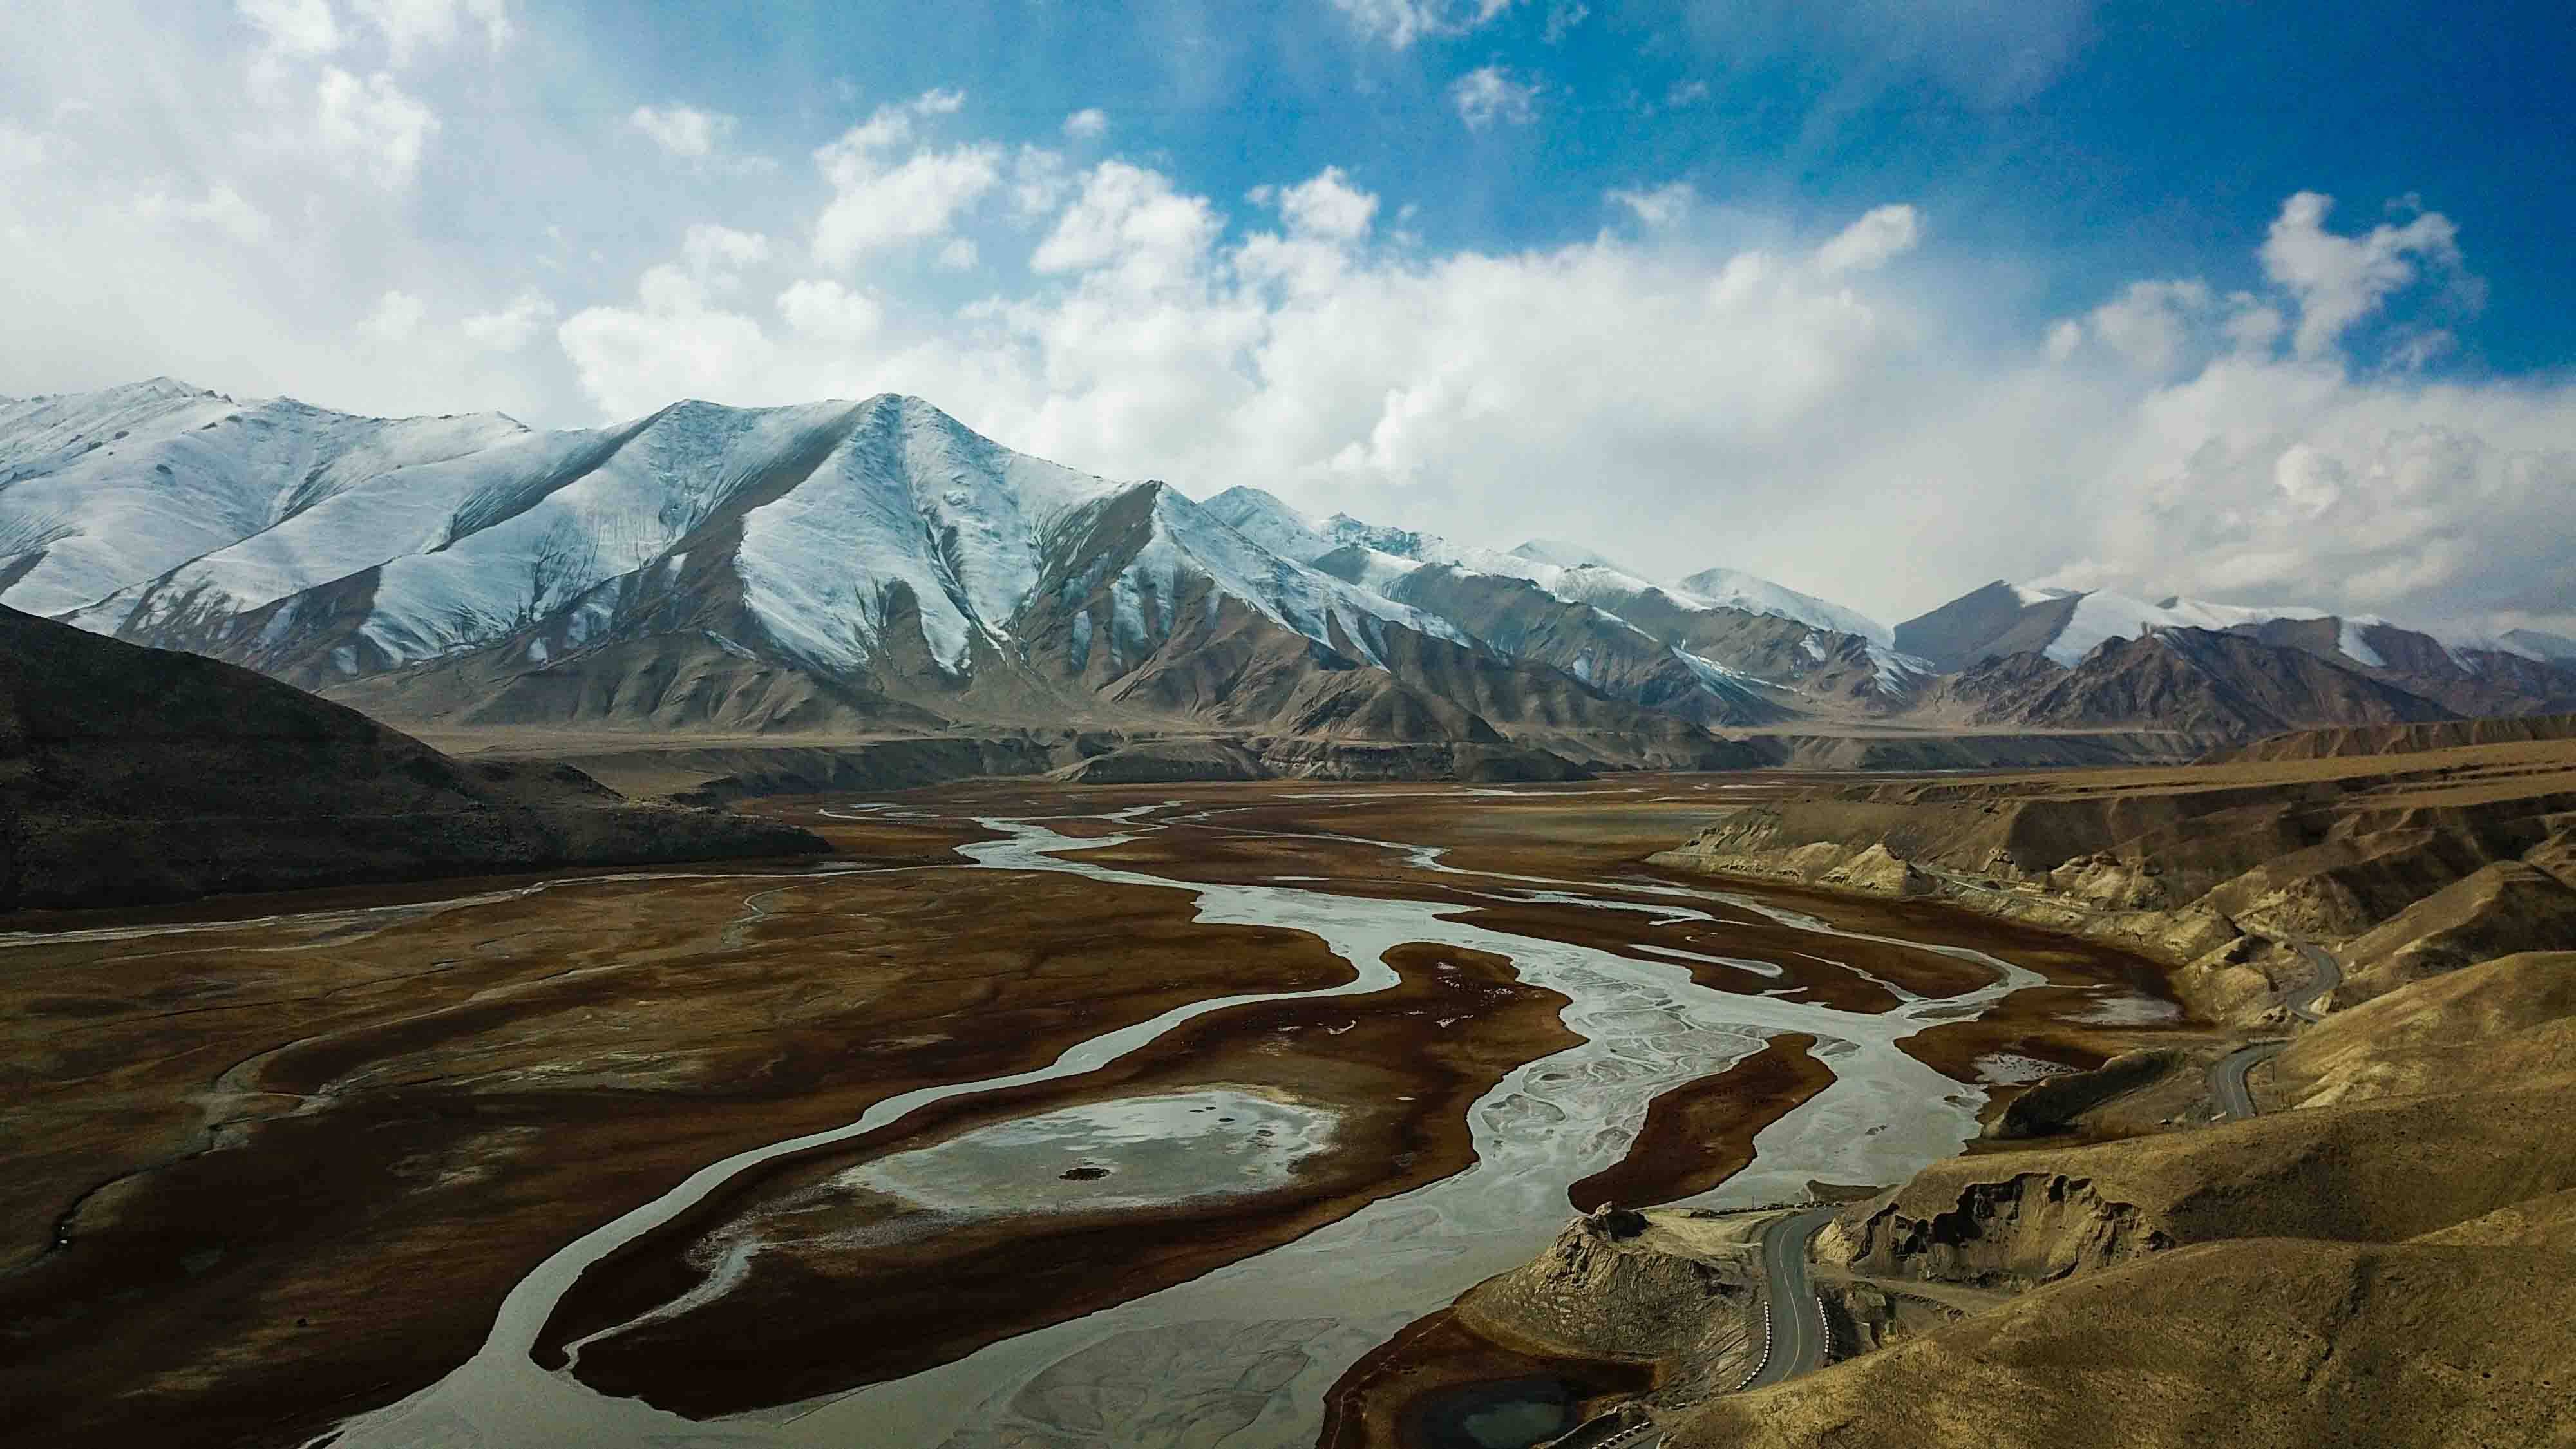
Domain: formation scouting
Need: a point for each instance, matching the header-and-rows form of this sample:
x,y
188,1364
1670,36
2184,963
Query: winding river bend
x,y
1244,1355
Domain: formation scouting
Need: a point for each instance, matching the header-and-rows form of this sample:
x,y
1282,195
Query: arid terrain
x,y
287,1156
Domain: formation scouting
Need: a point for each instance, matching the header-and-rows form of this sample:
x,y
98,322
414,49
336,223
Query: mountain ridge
x,y
874,565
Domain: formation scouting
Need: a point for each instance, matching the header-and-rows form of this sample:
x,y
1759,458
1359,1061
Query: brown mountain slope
x,y
134,775
2514,1016
2254,1344
2325,744
2187,679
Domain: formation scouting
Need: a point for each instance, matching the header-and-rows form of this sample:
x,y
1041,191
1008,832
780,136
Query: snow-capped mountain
x,y
876,566
868,564
105,489
1735,589
1742,638
2068,627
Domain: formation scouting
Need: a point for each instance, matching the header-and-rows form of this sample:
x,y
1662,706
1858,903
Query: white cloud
x,y
373,124
958,256
222,208
1562,17
1327,205
1662,206
1402,22
715,255
1685,93
409,26
1130,218
1885,233
1039,182
293,27
1087,125
876,207
875,204
673,344
22,149
830,312
2151,323
2338,280
397,316
686,132
1489,94
511,326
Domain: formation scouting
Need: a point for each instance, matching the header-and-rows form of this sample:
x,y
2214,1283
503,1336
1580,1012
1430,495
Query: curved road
x,y
2227,1074
1793,1318
2227,1078
2309,1005
1797,1320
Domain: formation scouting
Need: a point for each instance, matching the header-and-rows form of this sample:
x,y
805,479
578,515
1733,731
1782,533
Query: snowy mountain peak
x,y
1732,588
1567,555
1341,528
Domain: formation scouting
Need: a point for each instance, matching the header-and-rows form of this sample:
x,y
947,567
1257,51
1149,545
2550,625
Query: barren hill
x,y
133,775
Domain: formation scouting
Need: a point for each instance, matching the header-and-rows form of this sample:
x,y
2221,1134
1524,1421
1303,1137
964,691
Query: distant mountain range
x,y
875,567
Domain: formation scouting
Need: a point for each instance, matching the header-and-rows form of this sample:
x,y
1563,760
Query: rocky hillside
x,y
2374,1250
2193,680
134,775
2519,672
2406,863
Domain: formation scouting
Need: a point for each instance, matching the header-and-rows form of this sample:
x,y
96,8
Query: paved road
x,y
2227,1078
2309,1005
2227,1074
1797,1319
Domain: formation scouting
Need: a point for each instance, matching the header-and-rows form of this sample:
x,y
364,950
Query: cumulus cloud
x,y
372,125
1087,125
1886,233
221,207
830,312
715,255
878,202
412,26
2340,280
293,27
684,131
1132,220
675,342
1562,17
1399,23
1489,94
1326,205
397,316
1662,206
511,326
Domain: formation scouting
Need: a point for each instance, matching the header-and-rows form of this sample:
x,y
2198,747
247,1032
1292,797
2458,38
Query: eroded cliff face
x,y
2420,866
1615,1284
2013,1232
1666,1287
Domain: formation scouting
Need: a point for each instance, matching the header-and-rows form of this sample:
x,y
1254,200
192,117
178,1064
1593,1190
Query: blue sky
x,y
2262,302
2105,141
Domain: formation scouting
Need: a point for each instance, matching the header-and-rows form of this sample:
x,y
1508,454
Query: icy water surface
x,y
1242,1357
1125,1152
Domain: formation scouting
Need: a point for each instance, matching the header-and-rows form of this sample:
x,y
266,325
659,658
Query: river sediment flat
x,y
844,1146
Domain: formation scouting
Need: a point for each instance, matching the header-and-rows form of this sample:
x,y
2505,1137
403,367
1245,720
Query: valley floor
x,y
280,1162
